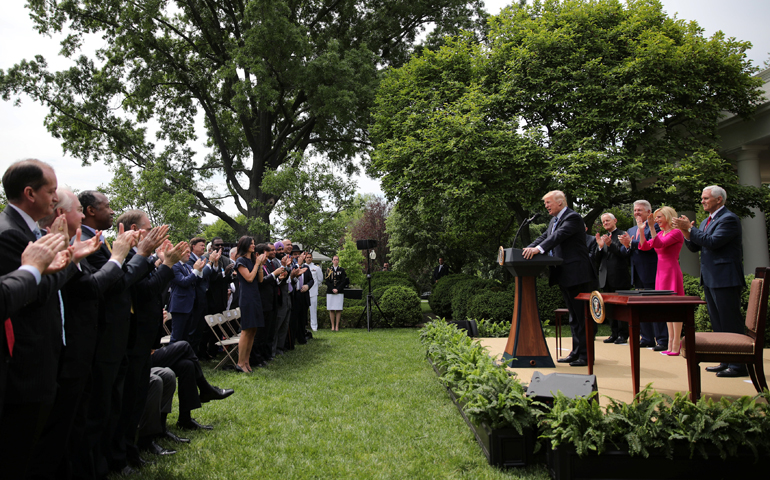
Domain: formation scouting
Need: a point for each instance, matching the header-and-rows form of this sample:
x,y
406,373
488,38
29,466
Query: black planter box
x,y
565,464
503,447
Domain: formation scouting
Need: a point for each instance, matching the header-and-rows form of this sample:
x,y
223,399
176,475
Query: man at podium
x,y
565,238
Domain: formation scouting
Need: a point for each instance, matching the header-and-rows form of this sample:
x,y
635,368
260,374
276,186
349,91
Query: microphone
x,y
525,222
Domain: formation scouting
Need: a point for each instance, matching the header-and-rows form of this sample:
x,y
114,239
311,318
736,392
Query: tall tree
x,y
605,100
269,80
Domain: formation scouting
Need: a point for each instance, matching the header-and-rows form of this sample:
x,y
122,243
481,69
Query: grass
x,y
350,404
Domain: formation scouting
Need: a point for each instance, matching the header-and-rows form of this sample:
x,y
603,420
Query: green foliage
x,y
352,260
383,279
220,228
485,389
314,197
549,298
148,190
215,94
401,305
350,318
440,299
494,306
490,329
462,293
655,422
469,136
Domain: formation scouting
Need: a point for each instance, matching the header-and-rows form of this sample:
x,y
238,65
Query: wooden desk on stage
x,y
635,309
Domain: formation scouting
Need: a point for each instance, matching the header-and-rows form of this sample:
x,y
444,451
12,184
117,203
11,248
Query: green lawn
x,y
350,404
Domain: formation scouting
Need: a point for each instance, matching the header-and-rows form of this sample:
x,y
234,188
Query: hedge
x,y
440,299
349,319
463,291
493,306
386,279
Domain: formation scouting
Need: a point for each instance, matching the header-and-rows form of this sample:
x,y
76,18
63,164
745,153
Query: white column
x,y
755,252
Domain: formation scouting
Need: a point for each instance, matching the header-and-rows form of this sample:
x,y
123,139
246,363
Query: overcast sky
x,y
23,134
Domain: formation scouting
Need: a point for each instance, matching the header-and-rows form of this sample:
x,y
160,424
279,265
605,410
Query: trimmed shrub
x,y
692,286
493,306
383,279
462,292
402,305
440,299
489,329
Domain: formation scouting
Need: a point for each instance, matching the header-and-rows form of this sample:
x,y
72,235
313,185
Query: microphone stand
x,y
525,222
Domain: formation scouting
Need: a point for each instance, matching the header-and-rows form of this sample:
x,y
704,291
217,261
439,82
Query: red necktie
x,y
707,223
9,335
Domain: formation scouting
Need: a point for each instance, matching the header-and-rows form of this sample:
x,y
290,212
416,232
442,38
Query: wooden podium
x,y
526,342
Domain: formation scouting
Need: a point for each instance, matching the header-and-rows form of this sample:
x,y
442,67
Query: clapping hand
x,y
60,262
152,240
599,240
199,264
82,249
41,253
59,225
173,253
625,239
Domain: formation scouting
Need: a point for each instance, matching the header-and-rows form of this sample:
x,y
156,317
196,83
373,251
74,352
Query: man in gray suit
x,y
565,238
719,239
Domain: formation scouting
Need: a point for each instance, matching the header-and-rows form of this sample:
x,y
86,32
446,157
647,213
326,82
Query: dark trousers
x,y
298,323
197,324
180,326
21,426
180,358
618,328
51,452
160,393
724,307
577,317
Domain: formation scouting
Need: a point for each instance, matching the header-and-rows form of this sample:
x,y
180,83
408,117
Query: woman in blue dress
x,y
249,269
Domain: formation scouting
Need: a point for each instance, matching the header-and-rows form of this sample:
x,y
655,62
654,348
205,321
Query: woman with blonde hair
x,y
667,244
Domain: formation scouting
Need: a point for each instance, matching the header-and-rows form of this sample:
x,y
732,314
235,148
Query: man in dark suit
x,y
301,296
565,238
440,271
197,325
283,315
719,241
216,295
613,271
146,319
81,296
110,361
268,291
181,303
644,267
29,388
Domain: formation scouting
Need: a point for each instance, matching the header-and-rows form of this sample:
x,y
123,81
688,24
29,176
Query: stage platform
x,y
613,371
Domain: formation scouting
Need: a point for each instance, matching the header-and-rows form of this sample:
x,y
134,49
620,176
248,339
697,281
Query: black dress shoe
x,y
173,436
191,424
660,347
127,471
733,372
646,344
215,393
621,341
568,359
156,449
717,368
580,362
611,339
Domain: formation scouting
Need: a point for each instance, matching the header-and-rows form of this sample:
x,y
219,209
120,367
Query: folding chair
x,y
212,321
167,339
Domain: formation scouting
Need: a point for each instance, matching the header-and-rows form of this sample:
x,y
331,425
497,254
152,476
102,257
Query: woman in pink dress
x,y
667,244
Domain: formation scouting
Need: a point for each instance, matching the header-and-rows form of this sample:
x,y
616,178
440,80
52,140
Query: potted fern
x,y
659,436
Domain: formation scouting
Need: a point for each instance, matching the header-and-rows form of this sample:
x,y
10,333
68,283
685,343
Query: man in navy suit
x,y
183,290
565,238
197,324
718,239
644,268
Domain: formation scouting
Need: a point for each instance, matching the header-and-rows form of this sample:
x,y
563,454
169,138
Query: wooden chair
x,y
167,338
735,347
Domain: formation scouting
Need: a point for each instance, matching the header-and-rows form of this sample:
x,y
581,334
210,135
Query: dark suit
x,y
181,303
592,247
300,304
197,323
29,389
644,268
146,320
721,274
613,275
110,364
575,275
440,272
81,296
